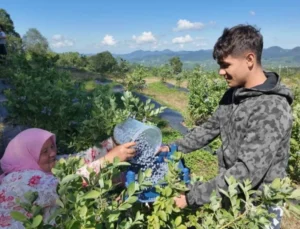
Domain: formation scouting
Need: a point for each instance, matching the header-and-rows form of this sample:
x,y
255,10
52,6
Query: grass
x,y
169,97
290,222
149,80
200,162
292,81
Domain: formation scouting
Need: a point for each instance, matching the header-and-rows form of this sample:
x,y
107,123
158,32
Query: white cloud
x,y
59,41
145,37
182,40
184,24
108,40
201,44
252,13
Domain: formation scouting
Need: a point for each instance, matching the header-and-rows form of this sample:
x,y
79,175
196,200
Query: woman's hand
x,y
124,152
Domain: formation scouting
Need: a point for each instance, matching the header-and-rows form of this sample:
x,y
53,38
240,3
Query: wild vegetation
x,y
46,94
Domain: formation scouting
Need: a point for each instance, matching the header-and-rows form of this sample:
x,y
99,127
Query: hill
x,y
272,57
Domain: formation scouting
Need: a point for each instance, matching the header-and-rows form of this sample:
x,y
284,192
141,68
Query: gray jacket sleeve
x,y
201,135
266,130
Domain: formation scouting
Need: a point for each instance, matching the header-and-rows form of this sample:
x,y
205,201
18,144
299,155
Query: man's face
x,y
234,70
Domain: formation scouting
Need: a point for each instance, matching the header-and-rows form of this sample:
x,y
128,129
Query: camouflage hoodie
x,y
255,128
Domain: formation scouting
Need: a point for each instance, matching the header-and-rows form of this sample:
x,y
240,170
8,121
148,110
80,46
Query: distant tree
x,y
14,42
103,62
176,64
72,59
136,79
124,66
122,69
34,41
165,71
7,23
154,71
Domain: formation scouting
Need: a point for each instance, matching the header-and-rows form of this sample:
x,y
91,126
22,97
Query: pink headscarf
x,y
23,151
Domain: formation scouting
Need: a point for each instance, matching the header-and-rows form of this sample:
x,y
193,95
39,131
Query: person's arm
x,y
269,125
123,152
93,153
201,135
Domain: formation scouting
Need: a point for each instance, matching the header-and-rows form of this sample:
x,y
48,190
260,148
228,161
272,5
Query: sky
x,y
121,26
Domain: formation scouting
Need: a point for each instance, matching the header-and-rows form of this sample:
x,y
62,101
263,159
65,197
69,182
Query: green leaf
x,y
140,177
123,163
18,216
162,215
132,199
69,178
93,194
178,220
116,160
148,173
37,221
276,183
113,216
168,191
101,183
295,194
131,189
125,206
224,192
60,203
83,211
31,196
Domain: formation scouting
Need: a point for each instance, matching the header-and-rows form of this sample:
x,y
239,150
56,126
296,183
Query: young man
x,y
254,119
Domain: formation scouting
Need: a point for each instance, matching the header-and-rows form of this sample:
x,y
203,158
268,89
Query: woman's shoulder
x,y
29,177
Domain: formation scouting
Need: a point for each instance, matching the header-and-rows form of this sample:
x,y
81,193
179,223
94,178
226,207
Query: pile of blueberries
x,y
146,159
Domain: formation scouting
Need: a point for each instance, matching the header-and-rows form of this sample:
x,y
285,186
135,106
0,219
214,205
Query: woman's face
x,y
47,156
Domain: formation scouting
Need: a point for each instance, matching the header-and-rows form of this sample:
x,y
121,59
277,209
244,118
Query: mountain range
x,y
272,57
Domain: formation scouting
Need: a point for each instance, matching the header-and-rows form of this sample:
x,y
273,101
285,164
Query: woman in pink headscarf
x,y
27,164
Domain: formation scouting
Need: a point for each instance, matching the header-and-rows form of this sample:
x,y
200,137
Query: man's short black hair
x,y
1,27
237,40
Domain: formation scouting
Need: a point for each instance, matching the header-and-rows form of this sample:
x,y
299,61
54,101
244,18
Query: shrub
x,y
97,206
49,99
206,90
294,160
135,80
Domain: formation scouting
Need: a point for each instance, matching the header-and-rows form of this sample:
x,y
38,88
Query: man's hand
x,y
181,201
163,149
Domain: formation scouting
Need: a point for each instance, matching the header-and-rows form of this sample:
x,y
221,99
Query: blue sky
x,y
121,26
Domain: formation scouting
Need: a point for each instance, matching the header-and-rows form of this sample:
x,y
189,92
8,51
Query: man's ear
x,y
251,59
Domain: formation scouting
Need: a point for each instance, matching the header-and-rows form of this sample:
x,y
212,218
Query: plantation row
x,y
47,97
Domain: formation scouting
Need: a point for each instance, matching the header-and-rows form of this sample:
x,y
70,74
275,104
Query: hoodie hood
x,y
271,86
